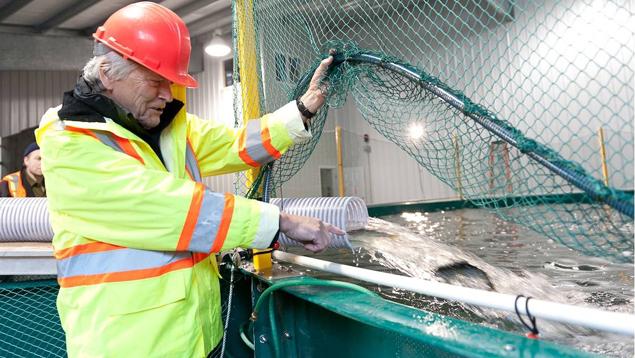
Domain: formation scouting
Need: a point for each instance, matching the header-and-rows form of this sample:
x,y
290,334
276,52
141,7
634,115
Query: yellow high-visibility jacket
x,y
133,236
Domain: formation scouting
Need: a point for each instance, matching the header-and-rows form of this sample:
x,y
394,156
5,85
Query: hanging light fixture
x,y
217,47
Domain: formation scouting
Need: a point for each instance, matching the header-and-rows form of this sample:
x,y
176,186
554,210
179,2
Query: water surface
x,y
474,248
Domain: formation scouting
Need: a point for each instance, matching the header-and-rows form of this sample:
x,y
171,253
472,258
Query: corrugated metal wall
x,y
26,95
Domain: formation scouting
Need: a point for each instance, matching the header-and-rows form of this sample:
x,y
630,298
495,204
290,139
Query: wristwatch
x,y
302,108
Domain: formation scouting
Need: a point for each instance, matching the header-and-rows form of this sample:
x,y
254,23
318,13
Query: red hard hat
x,y
152,36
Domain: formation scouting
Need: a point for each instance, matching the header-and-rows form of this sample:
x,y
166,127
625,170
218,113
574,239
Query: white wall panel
x,y
306,183
389,174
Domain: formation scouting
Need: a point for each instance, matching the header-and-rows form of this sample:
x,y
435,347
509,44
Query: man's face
x,y
32,163
144,94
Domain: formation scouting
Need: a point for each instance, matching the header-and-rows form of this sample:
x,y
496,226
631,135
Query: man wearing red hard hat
x,y
135,229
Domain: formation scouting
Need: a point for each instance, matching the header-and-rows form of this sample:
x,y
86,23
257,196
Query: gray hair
x,y
114,65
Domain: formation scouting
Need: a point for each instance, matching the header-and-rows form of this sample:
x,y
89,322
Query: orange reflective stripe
x,y
192,218
266,142
124,144
126,275
226,219
199,256
128,148
187,171
85,249
243,150
82,130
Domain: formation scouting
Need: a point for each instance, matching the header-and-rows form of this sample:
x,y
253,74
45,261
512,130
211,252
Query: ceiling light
x,y
416,131
217,47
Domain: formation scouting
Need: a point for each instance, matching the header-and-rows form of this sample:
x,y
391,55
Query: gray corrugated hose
x,y
24,219
27,219
347,213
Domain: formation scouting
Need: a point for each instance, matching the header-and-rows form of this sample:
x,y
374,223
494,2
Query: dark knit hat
x,y
29,148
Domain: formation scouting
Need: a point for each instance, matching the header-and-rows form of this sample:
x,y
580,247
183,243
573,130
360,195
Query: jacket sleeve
x,y
108,196
220,149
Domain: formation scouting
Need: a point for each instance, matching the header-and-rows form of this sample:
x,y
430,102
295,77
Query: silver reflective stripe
x,y
15,180
264,235
208,223
191,163
253,144
119,260
166,144
104,138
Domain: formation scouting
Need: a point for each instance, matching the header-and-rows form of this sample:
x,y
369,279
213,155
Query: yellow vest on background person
x,y
133,236
15,185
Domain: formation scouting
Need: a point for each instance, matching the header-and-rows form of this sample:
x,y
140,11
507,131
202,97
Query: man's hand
x,y
312,233
314,97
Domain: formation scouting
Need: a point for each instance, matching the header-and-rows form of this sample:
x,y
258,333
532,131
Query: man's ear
x,y
105,80
24,160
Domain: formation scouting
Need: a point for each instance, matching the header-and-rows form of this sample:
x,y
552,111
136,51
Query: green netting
x,y
498,99
29,324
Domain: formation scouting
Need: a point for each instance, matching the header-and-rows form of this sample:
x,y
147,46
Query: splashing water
x,y
473,248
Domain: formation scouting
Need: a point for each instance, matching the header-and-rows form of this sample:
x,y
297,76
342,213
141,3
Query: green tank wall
x,y
309,321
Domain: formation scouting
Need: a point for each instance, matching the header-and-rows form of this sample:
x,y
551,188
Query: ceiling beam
x,y
189,8
222,31
37,52
12,7
30,30
70,11
88,31
208,23
197,27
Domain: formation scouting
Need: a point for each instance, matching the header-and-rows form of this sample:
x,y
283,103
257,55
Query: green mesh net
x,y
523,107
29,324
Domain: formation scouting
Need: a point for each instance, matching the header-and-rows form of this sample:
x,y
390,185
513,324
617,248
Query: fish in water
x,y
399,248
462,273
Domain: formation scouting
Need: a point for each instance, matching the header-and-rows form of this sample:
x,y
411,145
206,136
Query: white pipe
x,y
615,322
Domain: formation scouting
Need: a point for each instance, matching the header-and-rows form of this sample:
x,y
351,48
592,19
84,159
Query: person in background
x,y
136,231
28,181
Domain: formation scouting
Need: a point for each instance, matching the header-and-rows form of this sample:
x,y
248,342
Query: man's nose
x,y
165,92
